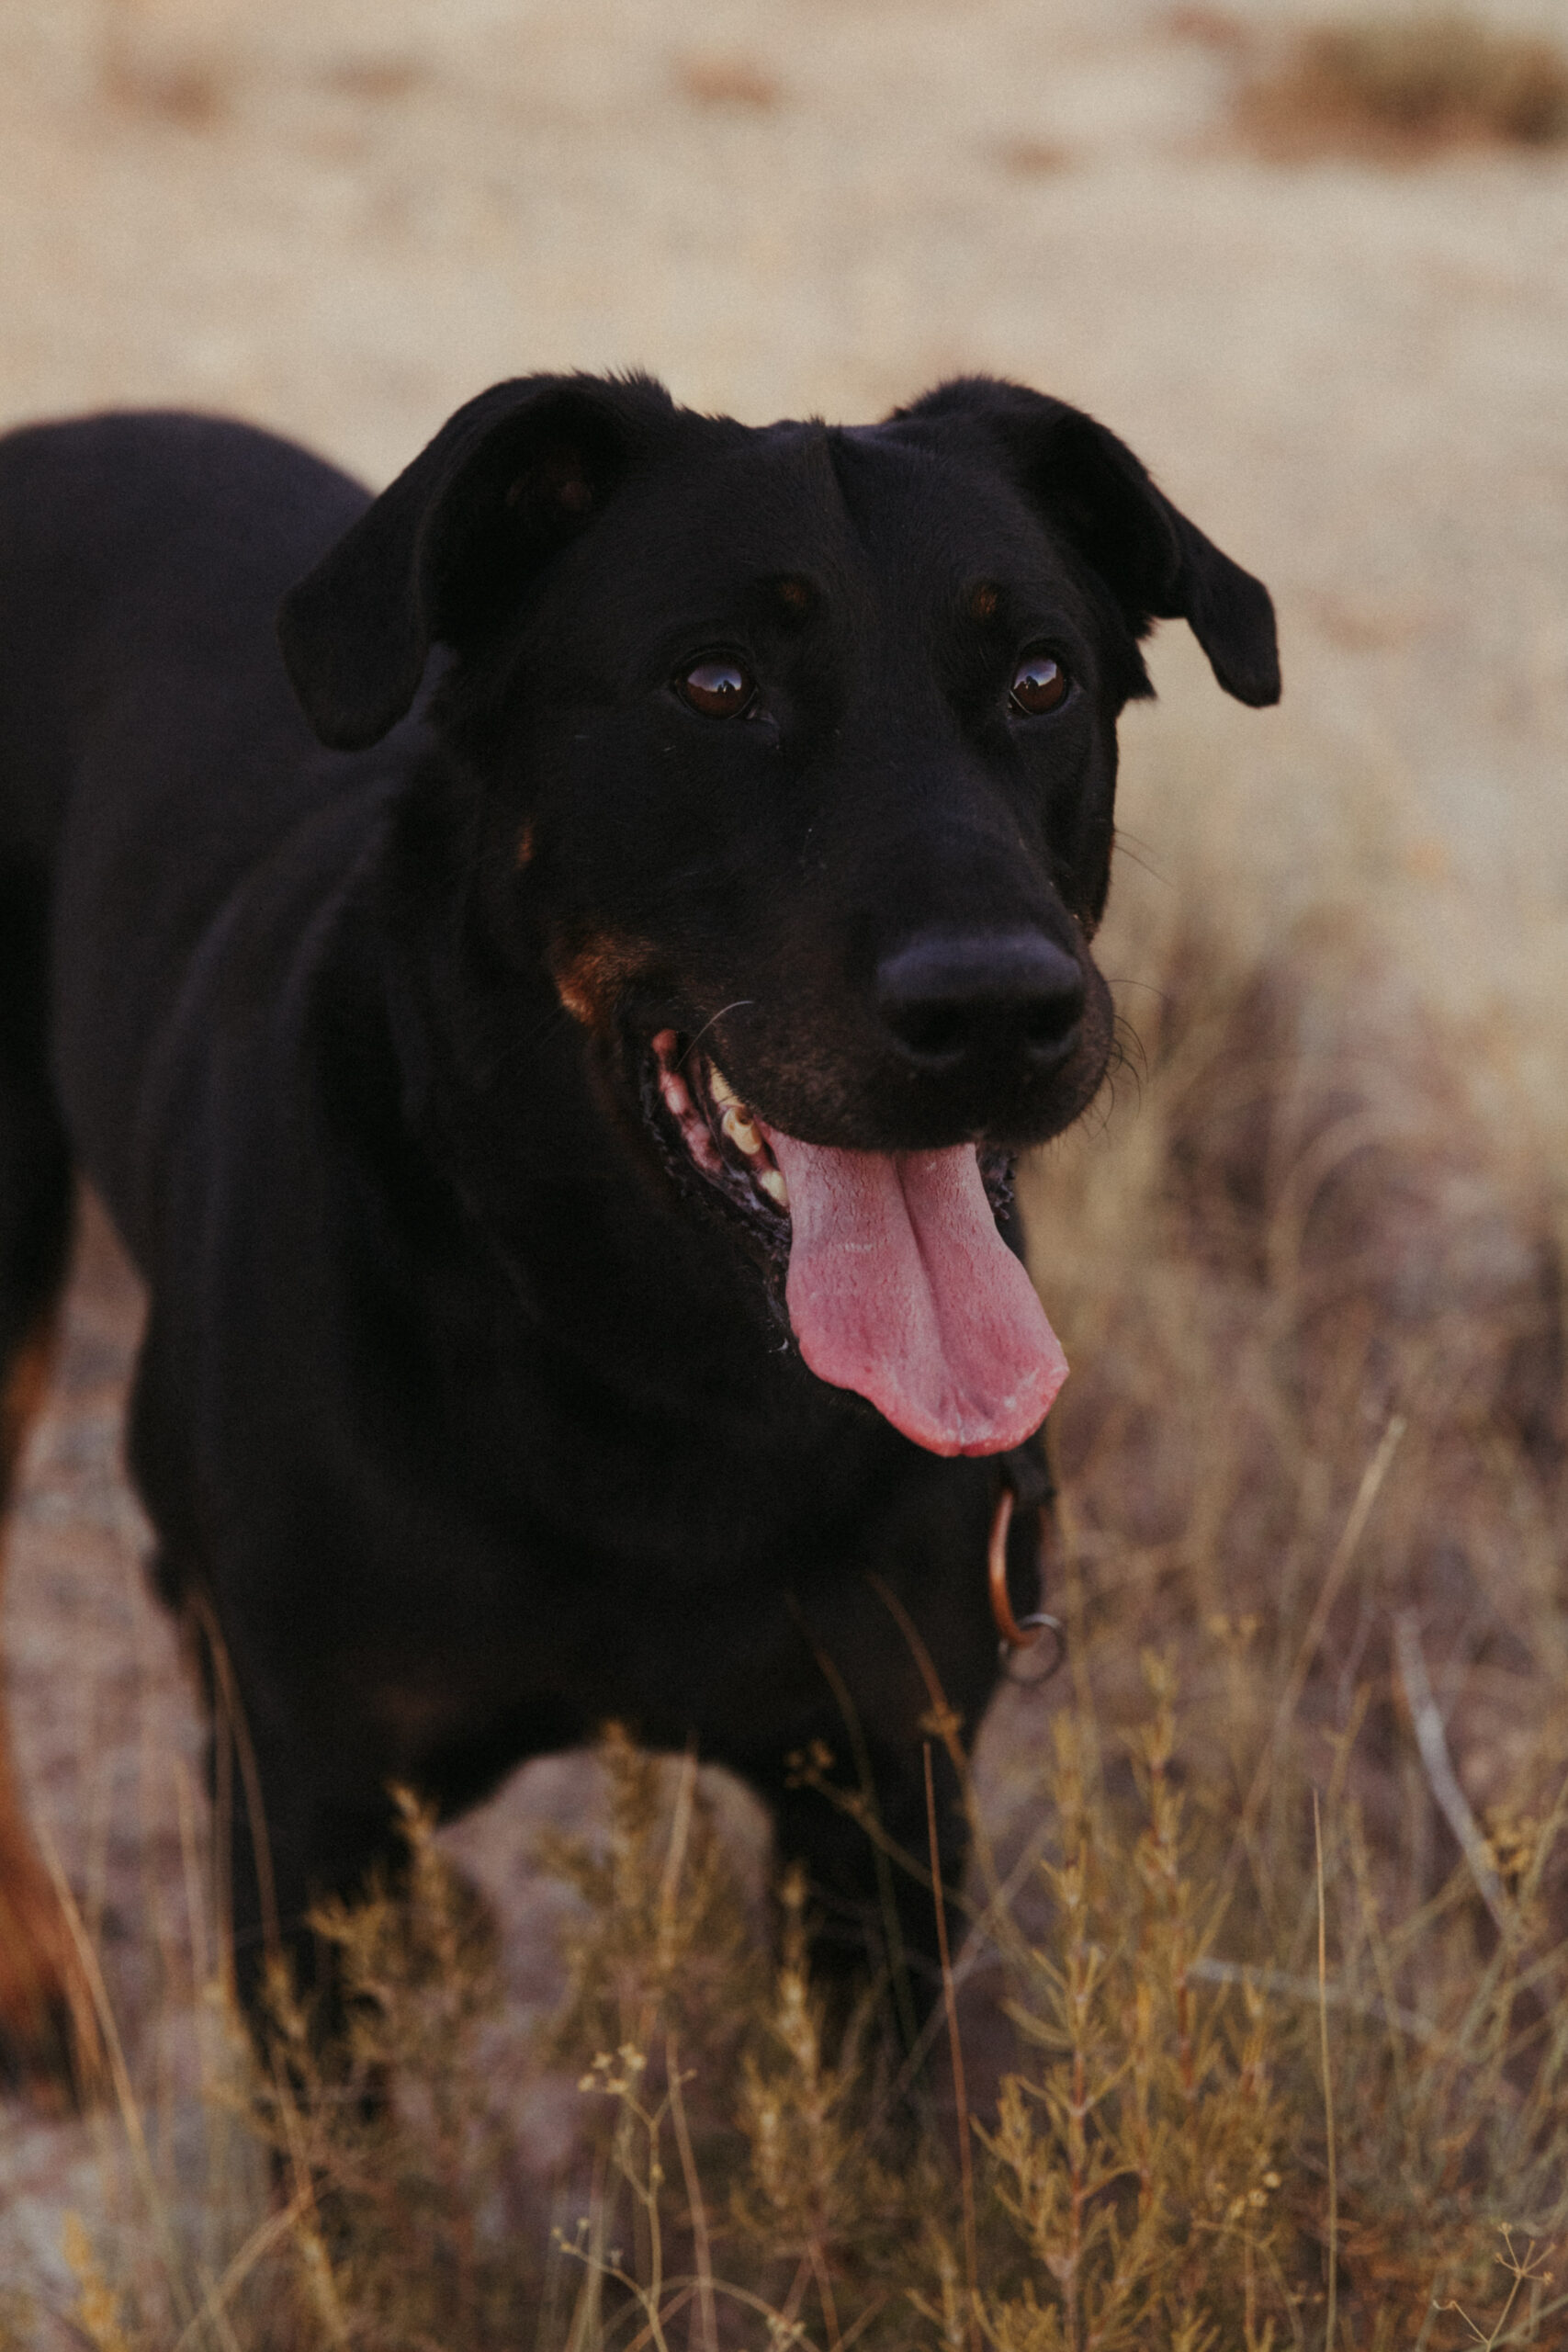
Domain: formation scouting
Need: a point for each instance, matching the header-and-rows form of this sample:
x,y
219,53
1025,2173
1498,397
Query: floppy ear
x,y
1158,565
509,478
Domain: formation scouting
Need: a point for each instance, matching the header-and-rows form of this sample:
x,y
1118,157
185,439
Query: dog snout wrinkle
x,y
956,998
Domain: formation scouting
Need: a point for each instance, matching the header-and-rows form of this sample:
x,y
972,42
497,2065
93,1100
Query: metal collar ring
x,y
1027,1634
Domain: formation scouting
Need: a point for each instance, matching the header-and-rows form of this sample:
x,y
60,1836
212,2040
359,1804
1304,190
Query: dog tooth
x,y
720,1088
772,1183
741,1133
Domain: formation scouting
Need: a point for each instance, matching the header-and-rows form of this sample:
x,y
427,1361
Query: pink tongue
x,y
901,1287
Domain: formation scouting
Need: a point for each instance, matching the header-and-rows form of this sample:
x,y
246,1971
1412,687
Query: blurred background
x,y
1312,264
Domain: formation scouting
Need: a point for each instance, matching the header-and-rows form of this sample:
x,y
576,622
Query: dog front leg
x,y
863,1830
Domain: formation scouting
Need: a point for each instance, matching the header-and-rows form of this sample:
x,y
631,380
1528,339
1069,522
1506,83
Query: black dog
x,y
649,925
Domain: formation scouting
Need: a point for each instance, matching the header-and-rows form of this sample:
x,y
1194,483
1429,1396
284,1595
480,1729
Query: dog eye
x,y
719,688
1039,683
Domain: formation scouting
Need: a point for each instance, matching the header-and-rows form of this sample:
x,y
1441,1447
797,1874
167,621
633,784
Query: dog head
x,y
803,740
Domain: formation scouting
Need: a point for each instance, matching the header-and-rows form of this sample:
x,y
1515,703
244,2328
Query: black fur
x,y
469,1425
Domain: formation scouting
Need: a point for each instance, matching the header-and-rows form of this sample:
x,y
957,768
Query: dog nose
x,y
950,998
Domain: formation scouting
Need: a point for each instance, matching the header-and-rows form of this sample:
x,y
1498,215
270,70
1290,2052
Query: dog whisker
x,y
740,1006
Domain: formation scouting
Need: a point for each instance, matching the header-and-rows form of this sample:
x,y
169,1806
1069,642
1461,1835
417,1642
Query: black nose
x,y
983,996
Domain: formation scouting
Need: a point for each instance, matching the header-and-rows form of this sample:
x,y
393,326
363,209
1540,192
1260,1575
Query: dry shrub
x,y
1316,1454
1322,1252
732,81
185,91
1032,158
1403,87
166,60
1209,27
1160,2168
1273,1884
375,78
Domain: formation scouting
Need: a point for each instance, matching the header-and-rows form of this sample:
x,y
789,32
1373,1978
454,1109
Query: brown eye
x,y
719,689
1039,683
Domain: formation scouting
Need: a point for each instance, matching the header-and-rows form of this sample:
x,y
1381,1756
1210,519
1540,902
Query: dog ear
x,y
450,544
1158,565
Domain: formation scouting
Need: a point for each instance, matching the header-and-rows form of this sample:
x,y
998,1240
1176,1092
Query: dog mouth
x,y
897,1281
721,1137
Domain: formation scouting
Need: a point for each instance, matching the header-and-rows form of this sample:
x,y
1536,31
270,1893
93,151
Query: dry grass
x,y
1400,88
1158,2170
1257,2091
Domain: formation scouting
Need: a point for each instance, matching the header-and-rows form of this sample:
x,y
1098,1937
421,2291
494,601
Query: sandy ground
x,y
340,220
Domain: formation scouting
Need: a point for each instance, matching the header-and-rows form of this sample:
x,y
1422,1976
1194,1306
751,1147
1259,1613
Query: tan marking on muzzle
x,y
591,977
